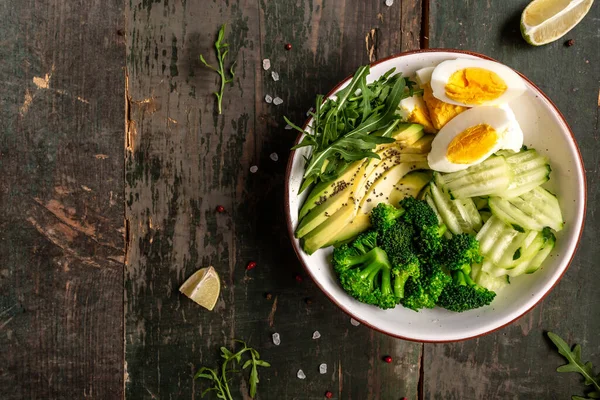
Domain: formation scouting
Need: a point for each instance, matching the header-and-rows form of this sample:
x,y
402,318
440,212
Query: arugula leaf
x,y
222,50
347,127
576,365
220,382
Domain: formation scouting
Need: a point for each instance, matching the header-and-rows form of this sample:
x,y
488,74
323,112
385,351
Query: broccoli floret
x,y
398,244
366,241
460,251
424,291
464,294
365,276
383,216
428,229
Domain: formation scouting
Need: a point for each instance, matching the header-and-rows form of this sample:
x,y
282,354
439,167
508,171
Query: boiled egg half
x,y
472,136
470,83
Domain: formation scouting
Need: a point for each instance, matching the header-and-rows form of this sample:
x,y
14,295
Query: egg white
x,y
498,118
442,72
423,76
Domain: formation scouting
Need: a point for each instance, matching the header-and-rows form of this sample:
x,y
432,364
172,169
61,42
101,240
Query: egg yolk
x,y
439,112
472,144
474,86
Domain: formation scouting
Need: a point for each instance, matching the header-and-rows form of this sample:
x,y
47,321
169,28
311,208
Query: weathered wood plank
x,y
518,362
183,160
61,207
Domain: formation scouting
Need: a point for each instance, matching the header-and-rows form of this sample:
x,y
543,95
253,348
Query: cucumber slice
x,y
539,258
530,170
542,206
516,252
490,234
490,282
513,215
481,203
493,176
485,216
444,207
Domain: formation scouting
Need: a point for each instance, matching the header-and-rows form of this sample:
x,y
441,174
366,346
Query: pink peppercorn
x,y
387,359
251,265
288,46
220,209
328,394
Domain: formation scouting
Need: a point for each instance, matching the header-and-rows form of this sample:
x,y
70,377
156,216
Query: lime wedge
x,y
544,21
203,287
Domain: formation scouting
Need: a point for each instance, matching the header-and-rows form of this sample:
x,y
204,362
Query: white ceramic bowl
x,y
547,131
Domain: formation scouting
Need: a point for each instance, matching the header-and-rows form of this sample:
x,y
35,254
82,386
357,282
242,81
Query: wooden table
x,y
113,161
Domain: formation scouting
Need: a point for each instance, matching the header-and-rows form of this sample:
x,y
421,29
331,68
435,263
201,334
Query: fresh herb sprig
x,y
218,378
222,50
576,365
350,125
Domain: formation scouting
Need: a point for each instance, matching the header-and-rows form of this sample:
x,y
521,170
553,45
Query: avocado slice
x,y
410,185
356,226
324,190
320,213
380,191
423,145
326,231
407,134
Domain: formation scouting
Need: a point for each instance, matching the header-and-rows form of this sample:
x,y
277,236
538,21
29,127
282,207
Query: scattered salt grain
x,y
300,374
389,3
277,101
274,156
316,334
275,76
253,169
268,99
288,127
323,368
354,322
266,64
276,339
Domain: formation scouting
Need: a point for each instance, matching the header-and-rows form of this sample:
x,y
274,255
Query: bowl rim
x,y
297,250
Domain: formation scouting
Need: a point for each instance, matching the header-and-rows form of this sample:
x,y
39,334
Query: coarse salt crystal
x,y
389,2
275,76
300,374
316,334
266,64
268,99
277,101
276,339
274,156
354,322
288,127
323,368
253,169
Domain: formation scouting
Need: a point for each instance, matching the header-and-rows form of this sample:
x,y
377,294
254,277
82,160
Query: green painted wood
x,y
182,160
518,362
61,199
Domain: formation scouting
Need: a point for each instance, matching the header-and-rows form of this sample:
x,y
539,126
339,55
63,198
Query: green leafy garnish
x,y
350,125
220,382
222,50
576,365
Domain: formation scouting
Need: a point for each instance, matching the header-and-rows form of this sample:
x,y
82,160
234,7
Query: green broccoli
x,y
366,241
397,242
424,291
461,250
463,293
383,216
429,231
365,276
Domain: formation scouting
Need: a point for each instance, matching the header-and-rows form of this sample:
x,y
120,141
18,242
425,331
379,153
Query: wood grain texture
x,y
61,199
183,160
518,362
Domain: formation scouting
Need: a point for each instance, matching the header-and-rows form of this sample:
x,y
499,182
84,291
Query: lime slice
x,y
544,21
203,287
